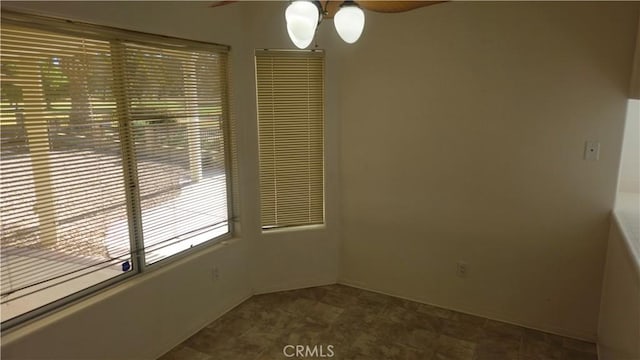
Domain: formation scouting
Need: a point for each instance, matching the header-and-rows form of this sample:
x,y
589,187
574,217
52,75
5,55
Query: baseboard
x,y
276,288
569,333
202,324
293,286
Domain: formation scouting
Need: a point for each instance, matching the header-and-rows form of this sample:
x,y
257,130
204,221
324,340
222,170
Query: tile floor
x,y
360,324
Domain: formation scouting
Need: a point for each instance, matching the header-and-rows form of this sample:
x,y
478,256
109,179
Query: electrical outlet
x,y
591,150
215,273
461,270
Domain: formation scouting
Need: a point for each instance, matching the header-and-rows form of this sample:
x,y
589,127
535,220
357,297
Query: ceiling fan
x,y
304,16
378,6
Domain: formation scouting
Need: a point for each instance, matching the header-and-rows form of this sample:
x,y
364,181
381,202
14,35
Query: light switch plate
x,y
592,150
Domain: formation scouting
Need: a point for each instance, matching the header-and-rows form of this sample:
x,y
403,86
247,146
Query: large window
x,y
290,91
114,156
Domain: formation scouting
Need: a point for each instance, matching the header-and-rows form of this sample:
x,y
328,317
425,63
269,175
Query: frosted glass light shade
x,y
349,22
302,20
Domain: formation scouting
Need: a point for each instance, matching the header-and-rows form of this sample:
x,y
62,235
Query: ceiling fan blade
x,y
220,3
330,7
394,6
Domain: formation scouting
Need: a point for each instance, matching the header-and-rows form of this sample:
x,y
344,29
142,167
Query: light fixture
x,y
304,16
349,22
302,19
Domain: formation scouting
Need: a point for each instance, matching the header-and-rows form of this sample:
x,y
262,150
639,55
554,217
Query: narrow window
x,y
290,92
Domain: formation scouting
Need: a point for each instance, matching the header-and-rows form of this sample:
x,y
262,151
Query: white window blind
x,y
113,150
176,103
290,92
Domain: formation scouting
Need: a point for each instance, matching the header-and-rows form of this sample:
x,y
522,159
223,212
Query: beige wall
x,y
147,317
619,328
463,130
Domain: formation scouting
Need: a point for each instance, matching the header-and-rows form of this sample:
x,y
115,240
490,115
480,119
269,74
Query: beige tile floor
x,y
360,324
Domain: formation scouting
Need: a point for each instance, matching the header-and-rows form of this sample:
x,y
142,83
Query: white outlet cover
x,y
461,269
591,150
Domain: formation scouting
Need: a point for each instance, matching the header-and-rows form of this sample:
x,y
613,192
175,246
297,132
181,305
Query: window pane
x,y
64,216
176,103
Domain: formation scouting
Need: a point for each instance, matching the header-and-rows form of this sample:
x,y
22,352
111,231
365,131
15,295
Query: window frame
x,y
119,37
